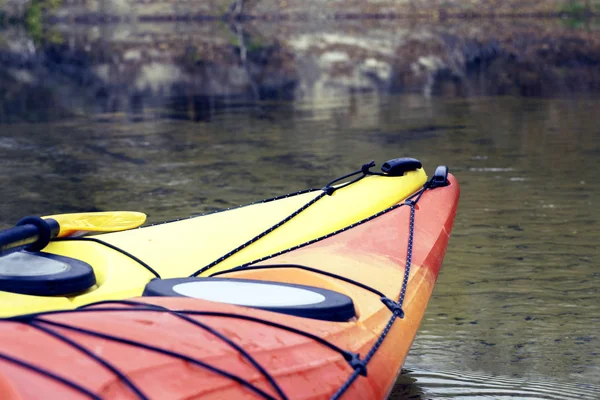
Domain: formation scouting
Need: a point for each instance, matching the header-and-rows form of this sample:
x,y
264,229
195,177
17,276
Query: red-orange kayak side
x,y
184,360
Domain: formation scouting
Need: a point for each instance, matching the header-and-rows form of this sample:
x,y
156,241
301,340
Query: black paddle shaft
x,y
33,232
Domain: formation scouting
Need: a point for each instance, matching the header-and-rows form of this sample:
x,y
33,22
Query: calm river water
x,y
516,311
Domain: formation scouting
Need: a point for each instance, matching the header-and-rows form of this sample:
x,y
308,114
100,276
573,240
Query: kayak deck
x,y
137,350
124,262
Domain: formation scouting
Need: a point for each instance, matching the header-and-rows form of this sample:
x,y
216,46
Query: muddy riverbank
x,y
113,10
128,67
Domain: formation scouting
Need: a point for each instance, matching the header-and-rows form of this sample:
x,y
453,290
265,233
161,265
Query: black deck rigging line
x,y
270,379
389,303
159,350
352,358
346,354
358,371
93,356
280,197
49,374
409,200
409,250
113,247
309,242
364,168
260,235
327,190
306,268
88,308
395,314
359,365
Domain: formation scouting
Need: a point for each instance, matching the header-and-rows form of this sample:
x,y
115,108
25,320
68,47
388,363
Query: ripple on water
x,y
422,384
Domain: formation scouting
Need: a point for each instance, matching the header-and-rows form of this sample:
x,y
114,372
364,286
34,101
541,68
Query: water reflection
x,y
199,68
135,68
421,384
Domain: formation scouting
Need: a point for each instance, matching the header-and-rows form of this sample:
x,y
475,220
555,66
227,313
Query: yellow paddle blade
x,y
107,221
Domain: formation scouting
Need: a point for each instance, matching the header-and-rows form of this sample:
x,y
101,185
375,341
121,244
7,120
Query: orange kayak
x,y
333,317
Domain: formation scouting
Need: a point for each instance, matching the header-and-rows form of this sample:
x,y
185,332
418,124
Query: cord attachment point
x,y
366,167
394,307
358,365
329,190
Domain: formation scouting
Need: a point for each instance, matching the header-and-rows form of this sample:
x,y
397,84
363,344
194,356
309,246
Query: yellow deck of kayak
x,y
178,249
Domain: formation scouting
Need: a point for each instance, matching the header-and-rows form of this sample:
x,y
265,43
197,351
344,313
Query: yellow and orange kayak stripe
x,y
159,354
180,248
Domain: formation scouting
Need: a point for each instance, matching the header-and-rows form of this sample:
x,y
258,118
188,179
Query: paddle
x,y
36,232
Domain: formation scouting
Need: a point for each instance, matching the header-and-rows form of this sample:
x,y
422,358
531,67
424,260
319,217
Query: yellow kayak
x,y
124,262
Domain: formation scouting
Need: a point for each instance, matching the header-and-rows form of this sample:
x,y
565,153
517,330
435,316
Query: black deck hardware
x,y
440,177
32,233
357,362
398,166
312,302
44,274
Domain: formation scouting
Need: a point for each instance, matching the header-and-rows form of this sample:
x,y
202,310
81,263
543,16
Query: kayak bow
x,y
322,305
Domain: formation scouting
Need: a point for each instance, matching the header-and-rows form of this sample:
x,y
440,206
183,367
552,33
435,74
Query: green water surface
x,y
515,312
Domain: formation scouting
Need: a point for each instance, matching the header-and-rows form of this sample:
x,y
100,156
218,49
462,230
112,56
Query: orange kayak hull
x,y
115,350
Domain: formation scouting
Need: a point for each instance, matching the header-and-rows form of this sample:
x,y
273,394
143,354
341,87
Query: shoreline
x,y
130,65
98,11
